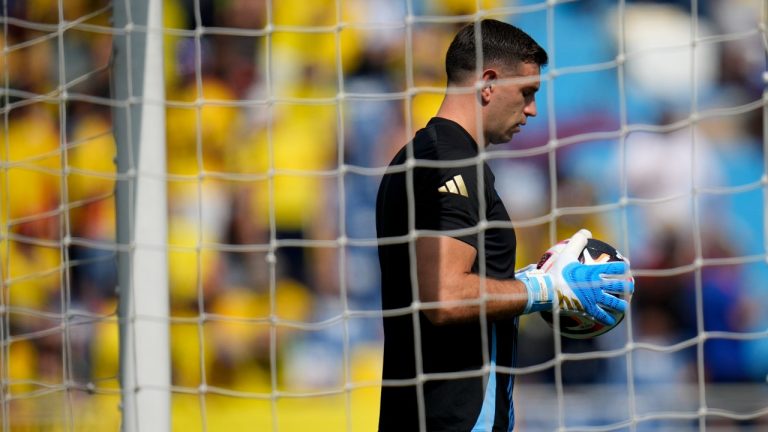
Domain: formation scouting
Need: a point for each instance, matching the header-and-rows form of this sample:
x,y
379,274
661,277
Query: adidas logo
x,y
455,186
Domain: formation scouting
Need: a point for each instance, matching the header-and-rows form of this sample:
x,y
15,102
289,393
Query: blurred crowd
x,y
275,146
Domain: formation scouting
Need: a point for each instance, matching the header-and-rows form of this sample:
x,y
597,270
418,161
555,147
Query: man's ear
x,y
488,80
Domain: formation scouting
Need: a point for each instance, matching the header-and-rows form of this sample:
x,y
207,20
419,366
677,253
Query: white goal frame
x,y
142,225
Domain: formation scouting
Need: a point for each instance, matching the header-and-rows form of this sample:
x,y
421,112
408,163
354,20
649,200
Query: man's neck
x,y
461,108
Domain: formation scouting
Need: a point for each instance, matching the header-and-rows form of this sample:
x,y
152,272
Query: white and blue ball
x,y
576,325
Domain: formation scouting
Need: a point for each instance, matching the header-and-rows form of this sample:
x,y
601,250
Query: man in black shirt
x,y
447,249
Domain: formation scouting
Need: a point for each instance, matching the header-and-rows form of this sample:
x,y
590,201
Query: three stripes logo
x,y
455,186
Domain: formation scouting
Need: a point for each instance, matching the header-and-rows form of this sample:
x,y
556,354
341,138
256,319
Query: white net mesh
x,y
281,119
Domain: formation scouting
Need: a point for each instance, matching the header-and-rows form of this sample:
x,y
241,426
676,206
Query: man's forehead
x,y
524,74
528,69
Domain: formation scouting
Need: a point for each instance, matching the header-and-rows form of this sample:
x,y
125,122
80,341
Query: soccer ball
x,y
577,325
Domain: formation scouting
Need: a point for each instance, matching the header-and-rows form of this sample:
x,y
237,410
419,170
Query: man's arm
x,y
444,269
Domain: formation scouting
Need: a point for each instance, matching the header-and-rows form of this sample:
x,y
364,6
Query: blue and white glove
x,y
582,288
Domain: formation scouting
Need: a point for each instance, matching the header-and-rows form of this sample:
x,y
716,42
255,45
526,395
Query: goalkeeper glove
x,y
568,285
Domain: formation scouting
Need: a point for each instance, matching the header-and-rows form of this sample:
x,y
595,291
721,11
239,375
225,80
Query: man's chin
x,y
502,139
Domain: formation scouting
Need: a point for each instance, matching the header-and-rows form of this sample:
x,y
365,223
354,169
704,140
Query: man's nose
x,y
530,109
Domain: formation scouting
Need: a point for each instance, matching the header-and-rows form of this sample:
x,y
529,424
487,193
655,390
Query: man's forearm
x,y
472,296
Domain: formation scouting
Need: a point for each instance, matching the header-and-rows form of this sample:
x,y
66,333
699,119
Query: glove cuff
x,y
541,291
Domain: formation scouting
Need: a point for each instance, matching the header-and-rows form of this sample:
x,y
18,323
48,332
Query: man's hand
x,y
584,288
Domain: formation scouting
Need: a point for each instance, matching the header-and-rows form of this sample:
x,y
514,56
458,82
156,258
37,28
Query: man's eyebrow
x,y
532,86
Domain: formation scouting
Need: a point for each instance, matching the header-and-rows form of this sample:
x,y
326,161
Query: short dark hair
x,y
502,43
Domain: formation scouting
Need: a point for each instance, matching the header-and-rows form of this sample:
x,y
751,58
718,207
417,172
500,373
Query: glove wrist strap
x,y
541,291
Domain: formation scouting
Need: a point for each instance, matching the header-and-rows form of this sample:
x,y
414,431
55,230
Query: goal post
x,y
139,128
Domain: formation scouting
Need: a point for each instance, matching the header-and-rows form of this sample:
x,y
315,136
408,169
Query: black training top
x,y
444,198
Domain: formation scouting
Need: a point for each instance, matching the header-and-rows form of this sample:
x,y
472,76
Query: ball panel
x,y
578,326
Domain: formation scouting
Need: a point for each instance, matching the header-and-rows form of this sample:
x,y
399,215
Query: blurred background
x,y
659,151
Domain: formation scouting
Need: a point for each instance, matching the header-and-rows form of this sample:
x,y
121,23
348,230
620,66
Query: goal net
x,y
187,196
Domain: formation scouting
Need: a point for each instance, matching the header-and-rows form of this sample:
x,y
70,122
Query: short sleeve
x,y
446,199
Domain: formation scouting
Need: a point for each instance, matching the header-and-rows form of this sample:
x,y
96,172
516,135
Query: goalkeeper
x,y
463,256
